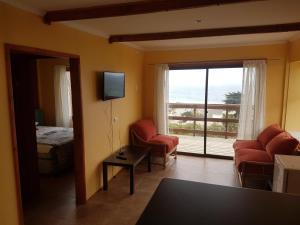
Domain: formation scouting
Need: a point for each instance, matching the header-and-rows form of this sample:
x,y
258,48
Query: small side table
x,y
134,155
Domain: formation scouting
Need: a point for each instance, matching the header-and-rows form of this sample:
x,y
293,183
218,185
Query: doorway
x,y
203,107
21,67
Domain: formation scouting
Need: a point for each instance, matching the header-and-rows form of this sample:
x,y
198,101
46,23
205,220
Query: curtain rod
x,y
213,62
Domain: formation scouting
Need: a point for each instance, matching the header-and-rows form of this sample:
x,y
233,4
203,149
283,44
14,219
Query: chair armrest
x,y
143,143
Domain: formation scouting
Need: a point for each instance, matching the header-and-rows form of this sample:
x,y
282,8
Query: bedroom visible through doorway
x,y
46,117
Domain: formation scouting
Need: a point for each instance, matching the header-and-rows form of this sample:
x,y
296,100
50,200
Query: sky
x,y
196,78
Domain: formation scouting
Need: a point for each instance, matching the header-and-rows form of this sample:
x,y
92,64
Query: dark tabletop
x,y
133,155
178,202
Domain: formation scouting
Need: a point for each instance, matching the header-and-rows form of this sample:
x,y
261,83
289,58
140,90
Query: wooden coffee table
x,y
134,155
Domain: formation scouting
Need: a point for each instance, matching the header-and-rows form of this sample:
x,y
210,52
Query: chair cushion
x,y
252,155
144,129
268,134
283,143
170,141
253,144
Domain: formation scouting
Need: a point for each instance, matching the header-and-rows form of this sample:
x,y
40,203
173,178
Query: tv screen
x,y
113,85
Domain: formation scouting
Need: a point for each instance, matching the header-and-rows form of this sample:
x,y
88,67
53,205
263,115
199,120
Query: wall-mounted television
x,y
113,85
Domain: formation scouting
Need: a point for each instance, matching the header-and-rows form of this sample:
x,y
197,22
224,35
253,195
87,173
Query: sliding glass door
x,y
186,109
224,88
204,109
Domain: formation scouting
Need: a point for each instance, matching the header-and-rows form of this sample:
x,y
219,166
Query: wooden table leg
x,y
105,182
149,162
131,179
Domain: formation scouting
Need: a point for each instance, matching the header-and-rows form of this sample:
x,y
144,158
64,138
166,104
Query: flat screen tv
x,y
113,85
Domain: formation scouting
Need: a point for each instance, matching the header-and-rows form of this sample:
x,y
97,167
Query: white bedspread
x,y
54,136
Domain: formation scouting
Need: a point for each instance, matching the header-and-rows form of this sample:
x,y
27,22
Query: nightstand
x,y
286,177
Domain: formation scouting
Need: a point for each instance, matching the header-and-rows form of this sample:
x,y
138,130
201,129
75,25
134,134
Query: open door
x,y
25,95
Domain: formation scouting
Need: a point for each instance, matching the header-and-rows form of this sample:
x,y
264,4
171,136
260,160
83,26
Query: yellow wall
x,y
45,74
292,97
276,55
23,28
292,122
294,50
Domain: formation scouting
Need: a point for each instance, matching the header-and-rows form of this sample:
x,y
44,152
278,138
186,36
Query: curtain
x,y
252,111
63,98
161,98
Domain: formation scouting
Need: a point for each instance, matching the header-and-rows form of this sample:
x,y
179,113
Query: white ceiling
x,y
232,15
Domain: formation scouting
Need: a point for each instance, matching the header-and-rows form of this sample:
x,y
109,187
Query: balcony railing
x,y
228,115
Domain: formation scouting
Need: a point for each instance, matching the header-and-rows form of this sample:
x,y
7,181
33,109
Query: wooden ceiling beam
x,y
274,28
131,8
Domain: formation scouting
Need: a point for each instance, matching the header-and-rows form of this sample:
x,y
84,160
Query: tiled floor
x,y
215,146
116,206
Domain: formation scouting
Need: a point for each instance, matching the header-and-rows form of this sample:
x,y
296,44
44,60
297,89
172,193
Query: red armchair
x,y
143,133
255,158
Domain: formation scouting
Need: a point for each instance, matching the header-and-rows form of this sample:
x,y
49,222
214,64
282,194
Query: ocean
x,y
192,94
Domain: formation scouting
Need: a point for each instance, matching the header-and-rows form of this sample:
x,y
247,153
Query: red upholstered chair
x,y
143,133
255,158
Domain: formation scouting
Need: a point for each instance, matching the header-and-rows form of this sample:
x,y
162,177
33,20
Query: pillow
x,y
268,134
283,144
144,129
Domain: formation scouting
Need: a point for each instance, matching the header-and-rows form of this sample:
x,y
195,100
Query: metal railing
x,y
194,117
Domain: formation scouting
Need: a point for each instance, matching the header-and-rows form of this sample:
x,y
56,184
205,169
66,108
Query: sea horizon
x,y
192,94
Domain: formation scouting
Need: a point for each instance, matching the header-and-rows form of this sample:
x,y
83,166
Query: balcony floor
x,y
215,146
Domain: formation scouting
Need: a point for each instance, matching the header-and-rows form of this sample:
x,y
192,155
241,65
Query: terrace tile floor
x,y
215,146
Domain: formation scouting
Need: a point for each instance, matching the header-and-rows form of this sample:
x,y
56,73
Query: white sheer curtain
x,y
161,98
63,98
252,111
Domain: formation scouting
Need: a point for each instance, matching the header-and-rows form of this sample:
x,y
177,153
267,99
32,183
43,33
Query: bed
x,y
55,149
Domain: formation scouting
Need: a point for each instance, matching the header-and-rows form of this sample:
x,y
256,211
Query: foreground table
x,y
177,202
133,155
